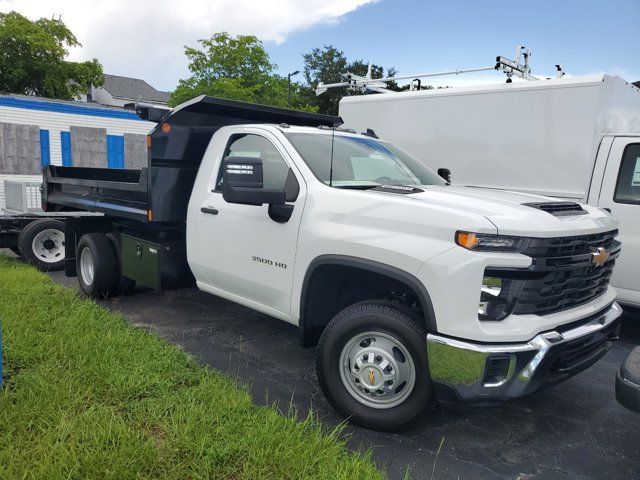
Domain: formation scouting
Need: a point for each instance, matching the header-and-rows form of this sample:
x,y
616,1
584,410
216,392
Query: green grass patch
x,y
88,396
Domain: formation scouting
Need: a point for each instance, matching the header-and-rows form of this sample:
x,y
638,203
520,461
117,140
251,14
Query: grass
x,y
87,396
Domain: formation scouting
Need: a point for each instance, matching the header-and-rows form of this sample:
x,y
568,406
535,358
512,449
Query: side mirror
x,y
243,183
445,173
628,382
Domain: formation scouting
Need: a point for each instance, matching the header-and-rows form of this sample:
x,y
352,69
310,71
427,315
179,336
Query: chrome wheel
x,y
48,245
377,370
86,266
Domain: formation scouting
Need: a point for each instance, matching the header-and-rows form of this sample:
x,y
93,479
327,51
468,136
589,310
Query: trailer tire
x,y
385,345
97,266
41,243
125,284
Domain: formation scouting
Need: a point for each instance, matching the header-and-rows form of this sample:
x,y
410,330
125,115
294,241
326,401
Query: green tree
x,y
236,68
33,62
327,65
324,65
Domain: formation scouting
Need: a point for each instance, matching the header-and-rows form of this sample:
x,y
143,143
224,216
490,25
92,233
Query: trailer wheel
x,y
41,243
97,266
125,285
372,366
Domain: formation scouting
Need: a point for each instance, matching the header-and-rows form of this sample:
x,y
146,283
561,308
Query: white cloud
x,y
145,38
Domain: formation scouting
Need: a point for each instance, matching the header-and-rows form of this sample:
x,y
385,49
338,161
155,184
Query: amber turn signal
x,y
467,240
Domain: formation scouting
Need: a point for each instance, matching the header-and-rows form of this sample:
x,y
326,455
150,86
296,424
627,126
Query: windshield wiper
x,y
357,187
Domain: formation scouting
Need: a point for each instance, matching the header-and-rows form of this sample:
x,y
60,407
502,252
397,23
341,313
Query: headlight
x,y
497,297
490,243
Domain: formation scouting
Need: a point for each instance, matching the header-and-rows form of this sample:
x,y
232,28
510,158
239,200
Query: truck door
x,y
620,193
242,253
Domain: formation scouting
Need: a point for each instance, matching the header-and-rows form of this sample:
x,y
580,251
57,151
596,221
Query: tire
x,y
125,284
97,266
401,344
41,243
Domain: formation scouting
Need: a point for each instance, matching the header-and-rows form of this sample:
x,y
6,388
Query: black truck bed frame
x,y
160,192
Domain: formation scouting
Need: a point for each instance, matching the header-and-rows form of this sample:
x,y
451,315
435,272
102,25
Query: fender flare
x,y
375,267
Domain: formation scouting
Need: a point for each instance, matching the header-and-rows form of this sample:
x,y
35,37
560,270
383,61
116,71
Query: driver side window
x,y
628,185
276,172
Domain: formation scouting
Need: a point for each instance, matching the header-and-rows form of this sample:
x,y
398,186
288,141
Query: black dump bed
x,y
160,192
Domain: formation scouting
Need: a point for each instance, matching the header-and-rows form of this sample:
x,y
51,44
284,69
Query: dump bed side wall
x,y
538,140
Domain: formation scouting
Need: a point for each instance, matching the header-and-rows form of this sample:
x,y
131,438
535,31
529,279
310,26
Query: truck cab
x,y
615,186
411,289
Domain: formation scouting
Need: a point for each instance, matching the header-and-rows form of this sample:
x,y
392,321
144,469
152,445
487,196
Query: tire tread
x,y
388,307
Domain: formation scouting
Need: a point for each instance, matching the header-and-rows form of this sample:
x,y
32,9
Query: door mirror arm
x,y
242,183
280,213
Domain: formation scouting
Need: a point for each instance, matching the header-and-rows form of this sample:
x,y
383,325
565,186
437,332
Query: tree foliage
x,y
326,65
236,68
33,59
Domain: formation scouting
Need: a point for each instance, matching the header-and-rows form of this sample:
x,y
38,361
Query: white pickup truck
x,y
412,289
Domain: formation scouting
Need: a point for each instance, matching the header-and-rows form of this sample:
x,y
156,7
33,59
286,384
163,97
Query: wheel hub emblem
x,y
372,376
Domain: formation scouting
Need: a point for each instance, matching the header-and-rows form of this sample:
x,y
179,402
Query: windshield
x,y
360,162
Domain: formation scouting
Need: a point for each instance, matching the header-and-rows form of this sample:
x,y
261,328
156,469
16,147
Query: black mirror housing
x,y
243,183
445,173
242,172
253,196
628,381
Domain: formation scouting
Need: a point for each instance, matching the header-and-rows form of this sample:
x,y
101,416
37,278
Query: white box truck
x,y
571,138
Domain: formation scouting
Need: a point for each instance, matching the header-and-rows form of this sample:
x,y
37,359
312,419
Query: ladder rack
x,y
520,67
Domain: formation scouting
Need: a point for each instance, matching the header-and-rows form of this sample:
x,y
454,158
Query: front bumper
x,y
478,372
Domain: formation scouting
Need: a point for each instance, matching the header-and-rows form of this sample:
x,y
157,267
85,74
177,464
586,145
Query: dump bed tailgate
x,y
117,192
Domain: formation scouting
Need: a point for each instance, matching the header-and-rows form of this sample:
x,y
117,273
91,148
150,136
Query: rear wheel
x,y
97,266
41,243
372,365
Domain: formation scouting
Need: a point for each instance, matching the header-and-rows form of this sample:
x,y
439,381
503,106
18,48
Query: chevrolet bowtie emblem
x,y
600,257
372,376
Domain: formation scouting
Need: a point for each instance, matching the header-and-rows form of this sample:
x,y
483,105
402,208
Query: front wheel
x,y
372,365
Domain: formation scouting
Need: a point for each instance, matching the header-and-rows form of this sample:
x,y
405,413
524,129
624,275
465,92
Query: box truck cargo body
x,y
576,139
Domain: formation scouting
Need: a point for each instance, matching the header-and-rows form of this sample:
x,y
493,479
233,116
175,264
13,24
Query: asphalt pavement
x,y
574,430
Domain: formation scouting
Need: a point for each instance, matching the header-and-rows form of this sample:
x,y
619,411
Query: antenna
x,y
333,137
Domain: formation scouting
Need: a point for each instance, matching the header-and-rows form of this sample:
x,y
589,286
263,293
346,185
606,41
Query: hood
x,y
511,215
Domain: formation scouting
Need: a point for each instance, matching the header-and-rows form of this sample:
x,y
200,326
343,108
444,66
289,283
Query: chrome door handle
x,y
210,210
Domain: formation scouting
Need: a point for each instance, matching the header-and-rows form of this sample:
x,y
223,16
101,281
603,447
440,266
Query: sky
x,y
146,38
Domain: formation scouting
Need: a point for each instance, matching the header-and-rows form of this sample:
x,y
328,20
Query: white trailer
x,y
572,138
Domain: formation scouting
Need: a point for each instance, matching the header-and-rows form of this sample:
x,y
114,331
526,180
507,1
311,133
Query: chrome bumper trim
x,y
461,365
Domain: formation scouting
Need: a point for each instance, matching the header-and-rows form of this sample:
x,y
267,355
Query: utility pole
x,y
289,86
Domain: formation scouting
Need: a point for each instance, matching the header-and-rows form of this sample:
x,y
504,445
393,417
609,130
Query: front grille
x,y
564,289
558,209
562,274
